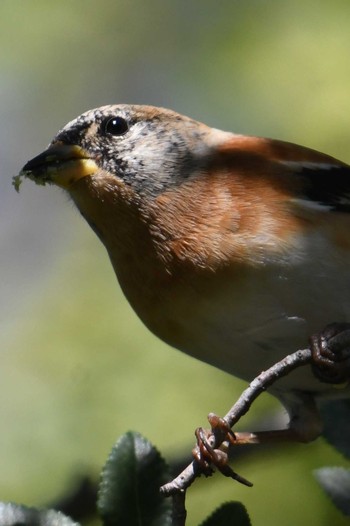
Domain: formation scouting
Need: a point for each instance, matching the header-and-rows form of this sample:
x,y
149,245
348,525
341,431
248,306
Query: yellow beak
x,y
60,164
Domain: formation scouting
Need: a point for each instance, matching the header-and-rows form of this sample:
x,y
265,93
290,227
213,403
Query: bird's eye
x,y
115,126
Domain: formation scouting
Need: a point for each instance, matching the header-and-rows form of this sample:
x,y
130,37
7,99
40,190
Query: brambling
x,y
233,249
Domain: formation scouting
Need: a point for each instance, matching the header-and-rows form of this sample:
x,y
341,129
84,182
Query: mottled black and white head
x,y
149,149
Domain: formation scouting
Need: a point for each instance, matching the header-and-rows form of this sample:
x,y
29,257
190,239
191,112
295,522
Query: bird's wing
x,y
317,180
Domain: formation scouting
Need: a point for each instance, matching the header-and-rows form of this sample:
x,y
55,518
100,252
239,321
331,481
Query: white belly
x,y
245,321
249,324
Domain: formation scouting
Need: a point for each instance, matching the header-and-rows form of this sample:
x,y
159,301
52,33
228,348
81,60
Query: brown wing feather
x,y
317,178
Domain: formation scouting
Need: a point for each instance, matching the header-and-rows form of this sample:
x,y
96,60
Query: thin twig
x,y
240,408
265,380
179,510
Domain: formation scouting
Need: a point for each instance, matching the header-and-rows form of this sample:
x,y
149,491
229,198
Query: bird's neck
x,y
134,243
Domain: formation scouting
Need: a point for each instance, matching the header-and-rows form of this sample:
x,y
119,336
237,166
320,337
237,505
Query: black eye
x,y
115,126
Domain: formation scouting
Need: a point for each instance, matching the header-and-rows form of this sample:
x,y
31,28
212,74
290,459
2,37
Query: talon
x,y
205,454
331,353
219,425
200,452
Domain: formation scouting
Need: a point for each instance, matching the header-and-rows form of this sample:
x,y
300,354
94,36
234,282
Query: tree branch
x,y
241,407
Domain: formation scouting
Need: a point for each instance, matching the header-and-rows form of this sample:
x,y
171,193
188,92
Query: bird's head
x,y
129,169
144,148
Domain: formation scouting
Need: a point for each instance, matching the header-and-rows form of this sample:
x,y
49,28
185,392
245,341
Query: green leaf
x,y
336,483
129,489
336,418
17,181
15,515
230,513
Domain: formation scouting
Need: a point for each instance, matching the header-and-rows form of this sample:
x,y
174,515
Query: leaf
x,y
336,483
230,513
17,181
336,418
14,515
129,489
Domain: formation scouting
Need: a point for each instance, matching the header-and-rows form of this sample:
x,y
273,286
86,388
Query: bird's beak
x,y
61,164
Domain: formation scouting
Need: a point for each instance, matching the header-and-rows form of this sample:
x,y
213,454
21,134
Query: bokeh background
x,y
77,367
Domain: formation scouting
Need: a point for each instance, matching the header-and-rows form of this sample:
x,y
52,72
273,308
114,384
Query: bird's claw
x,y
208,456
331,353
202,453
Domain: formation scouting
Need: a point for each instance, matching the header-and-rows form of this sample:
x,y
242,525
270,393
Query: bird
x,y
233,249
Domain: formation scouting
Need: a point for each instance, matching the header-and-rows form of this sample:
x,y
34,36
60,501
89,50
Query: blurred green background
x,y
77,367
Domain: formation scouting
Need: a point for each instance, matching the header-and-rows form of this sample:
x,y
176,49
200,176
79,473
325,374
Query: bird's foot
x,y
208,456
330,350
